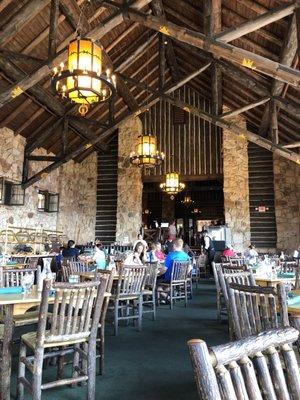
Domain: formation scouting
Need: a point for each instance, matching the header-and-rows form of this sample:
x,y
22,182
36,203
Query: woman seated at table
x,y
159,254
228,252
99,256
138,256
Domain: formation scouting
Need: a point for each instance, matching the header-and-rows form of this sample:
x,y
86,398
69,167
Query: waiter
x,y
209,249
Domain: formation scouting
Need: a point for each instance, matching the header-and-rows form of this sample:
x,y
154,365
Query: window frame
x,y
47,202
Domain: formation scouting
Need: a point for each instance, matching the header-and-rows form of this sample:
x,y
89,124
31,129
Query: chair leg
x,y
116,320
37,375
102,349
60,367
91,370
185,294
75,365
21,373
171,297
140,312
154,305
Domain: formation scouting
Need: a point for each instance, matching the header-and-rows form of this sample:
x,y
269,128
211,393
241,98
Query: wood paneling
x,y
107,178
261,191
193,148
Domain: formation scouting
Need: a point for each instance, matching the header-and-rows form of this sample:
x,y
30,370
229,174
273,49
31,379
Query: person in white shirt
x,y
99,256
138,256
251,255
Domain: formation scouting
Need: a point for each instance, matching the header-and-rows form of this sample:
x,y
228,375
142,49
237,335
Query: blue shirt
x,y
70,252
171,257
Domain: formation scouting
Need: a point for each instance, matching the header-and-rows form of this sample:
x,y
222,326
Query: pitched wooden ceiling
x,y
135,51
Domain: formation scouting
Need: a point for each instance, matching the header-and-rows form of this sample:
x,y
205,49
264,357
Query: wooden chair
x,y
109,276
178,285
254,309
291,267
221,306
149,293
249,368
243,278
237,262
128,295
73,330
73,268
12,278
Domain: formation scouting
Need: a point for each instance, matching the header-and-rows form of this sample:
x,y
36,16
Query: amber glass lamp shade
x,y
146,153
172,185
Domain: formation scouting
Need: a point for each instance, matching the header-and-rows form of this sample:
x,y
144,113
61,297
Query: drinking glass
x,y
27,282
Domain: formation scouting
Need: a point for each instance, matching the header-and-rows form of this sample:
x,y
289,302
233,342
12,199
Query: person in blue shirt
x,y
71,250
176,255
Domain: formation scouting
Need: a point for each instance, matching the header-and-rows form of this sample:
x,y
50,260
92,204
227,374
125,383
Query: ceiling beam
x,y
232,53
288,52
32,79
240,110
292,145
243,134
256,23
20,19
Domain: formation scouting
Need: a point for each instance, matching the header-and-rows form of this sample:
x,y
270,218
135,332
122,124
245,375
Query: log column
x,y
130,186
287,203
236,185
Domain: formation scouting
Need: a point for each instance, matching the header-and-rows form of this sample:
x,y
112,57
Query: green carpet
x,y
153,364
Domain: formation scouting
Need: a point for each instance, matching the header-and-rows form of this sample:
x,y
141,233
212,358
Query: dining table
x,y
294,310
266,281
12,305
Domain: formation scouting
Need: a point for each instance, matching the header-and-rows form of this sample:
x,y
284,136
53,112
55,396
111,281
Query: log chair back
x,y
257,367
254,309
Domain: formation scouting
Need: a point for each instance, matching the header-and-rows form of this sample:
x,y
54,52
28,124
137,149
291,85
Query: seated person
x,y
176,255
71,250
228,252
99,256
159,254
151,256
169,245
251,255
138,255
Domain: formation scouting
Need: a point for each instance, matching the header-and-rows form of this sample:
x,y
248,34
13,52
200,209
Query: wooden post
x,y
54,12
64,135
274,122
162,61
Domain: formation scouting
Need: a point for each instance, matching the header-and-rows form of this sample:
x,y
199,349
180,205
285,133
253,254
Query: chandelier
x,y
196,211
146,153
82,81
172,186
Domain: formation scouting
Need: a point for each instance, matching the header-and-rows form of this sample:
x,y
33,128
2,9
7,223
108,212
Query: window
x,y
14,194
48,202
179,116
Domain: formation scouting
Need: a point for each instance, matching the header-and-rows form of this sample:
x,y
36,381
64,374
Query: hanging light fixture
x,y
187,200
146,154
172,186
196,211
82,80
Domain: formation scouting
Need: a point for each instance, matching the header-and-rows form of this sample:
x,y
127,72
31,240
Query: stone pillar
x,y
130,186
236,186
287,203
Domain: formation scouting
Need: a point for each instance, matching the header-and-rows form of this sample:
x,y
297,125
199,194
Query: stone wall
x,y
130,186
236,186
287,203
75,183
